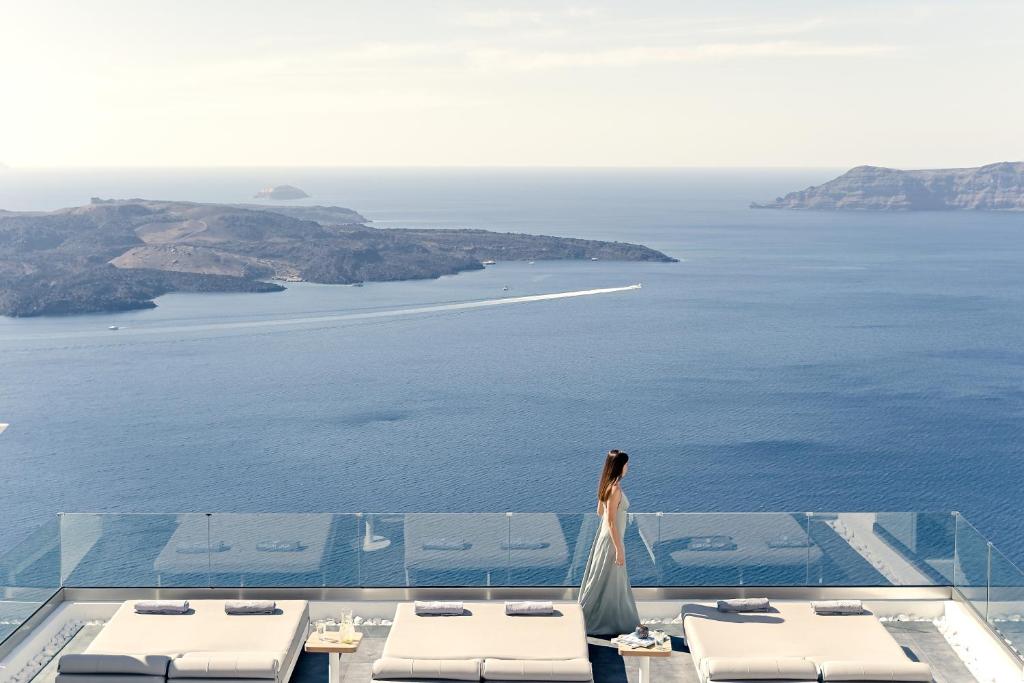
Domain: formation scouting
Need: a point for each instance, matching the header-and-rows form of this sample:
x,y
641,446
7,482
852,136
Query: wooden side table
x,y
644,654
334,649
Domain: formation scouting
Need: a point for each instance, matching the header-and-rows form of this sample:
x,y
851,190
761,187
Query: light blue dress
x,y
605,594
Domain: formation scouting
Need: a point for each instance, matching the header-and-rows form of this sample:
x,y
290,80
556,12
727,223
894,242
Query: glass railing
x,y
29,576
502,549
992,583
353,550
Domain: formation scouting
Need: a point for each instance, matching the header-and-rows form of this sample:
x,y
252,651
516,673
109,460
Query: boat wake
x,y
344,317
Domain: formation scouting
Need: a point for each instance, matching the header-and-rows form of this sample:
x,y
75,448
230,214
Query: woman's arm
x,y
611,508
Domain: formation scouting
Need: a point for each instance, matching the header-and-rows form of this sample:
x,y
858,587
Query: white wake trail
x,y
393,313
333,318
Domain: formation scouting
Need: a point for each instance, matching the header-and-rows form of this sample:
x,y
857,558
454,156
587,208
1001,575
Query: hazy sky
x,y
252,83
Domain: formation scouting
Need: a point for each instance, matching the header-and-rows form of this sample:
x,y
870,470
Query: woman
x,y
605,594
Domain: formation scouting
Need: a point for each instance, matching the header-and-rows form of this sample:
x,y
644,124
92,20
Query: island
x,y
995,187
280,192
115,255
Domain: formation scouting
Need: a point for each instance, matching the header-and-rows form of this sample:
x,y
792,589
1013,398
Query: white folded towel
x,y
744,605
445,608
250,606
837,606
161,606
519,607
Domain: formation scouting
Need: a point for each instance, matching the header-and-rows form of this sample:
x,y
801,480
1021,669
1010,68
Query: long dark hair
x,y
614,463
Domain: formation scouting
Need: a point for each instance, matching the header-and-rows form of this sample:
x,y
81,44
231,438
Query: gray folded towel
x,y
250,606
202,548
280,546
524,544
744,605
529,607
445,544
446,608
161,606
837,606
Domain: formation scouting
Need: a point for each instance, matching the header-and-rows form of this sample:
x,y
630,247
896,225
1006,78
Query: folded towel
x,y
161,606
280,546
250,606
837,606
696,543
445,544
202,548
744,605
445,608
524,544
517,607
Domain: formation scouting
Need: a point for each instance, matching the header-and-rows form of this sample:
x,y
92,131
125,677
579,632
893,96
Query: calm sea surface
x,y
790,361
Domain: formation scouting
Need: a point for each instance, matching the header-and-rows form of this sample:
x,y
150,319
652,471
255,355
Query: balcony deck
x,y
928,565
920,639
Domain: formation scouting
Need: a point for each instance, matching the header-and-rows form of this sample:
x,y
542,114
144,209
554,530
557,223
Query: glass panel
x,y
120,551
971,565
455,549
1006,600
541,547
381,550
29,575
277,550
881,548
728,549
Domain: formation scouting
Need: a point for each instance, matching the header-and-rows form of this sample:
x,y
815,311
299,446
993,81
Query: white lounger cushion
x,y
207,629
224,665
537,670
486,632
132,665
904,672
396,668
760,669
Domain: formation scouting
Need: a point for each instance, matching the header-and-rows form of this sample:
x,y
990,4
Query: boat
x,y
593,258
505,288
113,327
488,262
357,284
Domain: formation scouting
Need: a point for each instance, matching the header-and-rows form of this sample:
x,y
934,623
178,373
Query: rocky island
x,y
995,187
280,192
121,254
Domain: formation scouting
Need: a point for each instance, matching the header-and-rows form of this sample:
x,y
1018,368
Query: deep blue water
x,y
790,361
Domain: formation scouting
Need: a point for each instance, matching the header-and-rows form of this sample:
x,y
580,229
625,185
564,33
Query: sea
x,y
789,361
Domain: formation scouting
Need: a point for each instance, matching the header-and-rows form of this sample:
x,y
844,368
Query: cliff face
x,y
995,187
120,254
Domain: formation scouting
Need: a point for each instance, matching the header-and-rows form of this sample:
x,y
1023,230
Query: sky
x,y
449,83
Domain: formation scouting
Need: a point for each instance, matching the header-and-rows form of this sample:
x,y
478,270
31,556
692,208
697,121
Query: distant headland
x,y
995,187
115,255
281,192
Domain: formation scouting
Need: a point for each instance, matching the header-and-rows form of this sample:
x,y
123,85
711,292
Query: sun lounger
x,y
485,643
204,645
790,642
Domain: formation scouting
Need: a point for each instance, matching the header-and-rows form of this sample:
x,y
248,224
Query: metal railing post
x,y
988,582
956,545
60,549
657,548
508,567
209,553
807,563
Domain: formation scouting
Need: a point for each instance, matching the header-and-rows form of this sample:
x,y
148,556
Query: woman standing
x,y
605,594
